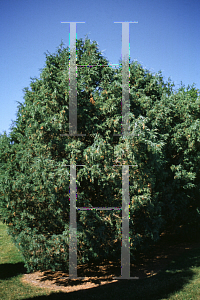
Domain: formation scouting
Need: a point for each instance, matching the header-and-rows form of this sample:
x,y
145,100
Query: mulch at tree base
x,y
150,264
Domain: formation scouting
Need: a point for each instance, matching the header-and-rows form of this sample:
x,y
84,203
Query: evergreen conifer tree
x,y
34,180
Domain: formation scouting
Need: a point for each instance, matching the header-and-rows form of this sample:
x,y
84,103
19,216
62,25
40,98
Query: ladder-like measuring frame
x,y
125,250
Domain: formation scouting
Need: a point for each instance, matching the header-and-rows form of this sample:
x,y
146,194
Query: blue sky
x,y
166,38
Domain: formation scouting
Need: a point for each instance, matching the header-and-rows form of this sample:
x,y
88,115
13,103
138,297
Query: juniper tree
x,y
35,181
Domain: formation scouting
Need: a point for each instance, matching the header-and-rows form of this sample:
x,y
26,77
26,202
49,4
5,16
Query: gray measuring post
x,y
72,82
125,79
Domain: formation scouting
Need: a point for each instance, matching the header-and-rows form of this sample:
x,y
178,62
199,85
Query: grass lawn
x,y
180,280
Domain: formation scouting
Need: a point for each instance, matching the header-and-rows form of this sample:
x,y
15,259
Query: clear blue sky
x,y
166,38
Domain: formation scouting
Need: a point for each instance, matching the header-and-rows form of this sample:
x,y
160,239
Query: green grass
x,y
180,280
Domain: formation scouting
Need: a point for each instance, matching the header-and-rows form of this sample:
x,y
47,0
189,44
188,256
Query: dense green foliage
x,y
165,149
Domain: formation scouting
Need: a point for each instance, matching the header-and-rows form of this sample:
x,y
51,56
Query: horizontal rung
x,y
99,208
65,134
97,65
94,166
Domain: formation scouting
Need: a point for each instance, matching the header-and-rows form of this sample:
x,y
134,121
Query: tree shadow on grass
x,y
171,279
162,285
7,271
164,274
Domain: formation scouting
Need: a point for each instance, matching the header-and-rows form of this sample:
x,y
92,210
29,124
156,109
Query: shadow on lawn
x,y
160,286
171,279
168,281
7,271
